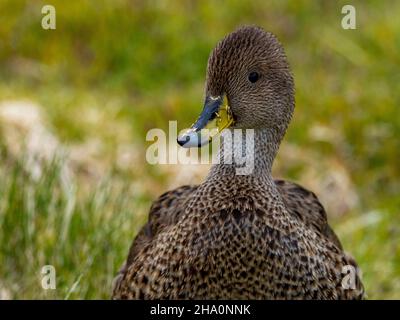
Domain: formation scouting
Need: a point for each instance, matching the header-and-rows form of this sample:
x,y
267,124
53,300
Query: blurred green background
x,y
76,103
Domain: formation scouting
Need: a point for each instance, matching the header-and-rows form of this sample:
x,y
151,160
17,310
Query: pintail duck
x,y
240,236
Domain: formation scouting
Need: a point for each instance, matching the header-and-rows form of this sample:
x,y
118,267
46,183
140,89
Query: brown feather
x,y
241,236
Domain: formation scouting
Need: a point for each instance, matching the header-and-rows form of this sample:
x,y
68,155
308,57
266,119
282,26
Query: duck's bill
x,y
215,117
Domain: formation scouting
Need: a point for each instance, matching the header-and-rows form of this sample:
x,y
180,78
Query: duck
x,y
240,235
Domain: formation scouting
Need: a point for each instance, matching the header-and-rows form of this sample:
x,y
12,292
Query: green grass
x,y
84,234
113,70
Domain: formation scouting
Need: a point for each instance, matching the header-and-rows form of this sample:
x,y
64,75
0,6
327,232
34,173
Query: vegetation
x,y
76,103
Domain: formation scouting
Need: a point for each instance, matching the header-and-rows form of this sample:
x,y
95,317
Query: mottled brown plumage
x,y
241,236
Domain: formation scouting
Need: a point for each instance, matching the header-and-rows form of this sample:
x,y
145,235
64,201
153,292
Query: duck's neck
x,y
247,157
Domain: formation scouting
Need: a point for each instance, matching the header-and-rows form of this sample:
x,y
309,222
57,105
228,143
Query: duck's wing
x,y
304,205
164,212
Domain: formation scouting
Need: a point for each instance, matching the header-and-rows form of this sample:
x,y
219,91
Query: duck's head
x,y
249,86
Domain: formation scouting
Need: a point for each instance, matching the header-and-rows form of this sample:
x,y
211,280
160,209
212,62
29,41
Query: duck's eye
x,y
253,77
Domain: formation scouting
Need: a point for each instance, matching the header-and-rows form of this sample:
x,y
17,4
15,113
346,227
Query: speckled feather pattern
x,y
241,237
240,249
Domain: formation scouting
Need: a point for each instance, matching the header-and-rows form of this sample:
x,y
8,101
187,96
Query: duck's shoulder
x,y
164,212
305,205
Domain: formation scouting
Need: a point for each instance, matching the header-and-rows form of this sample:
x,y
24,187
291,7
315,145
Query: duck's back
x,y
238,249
